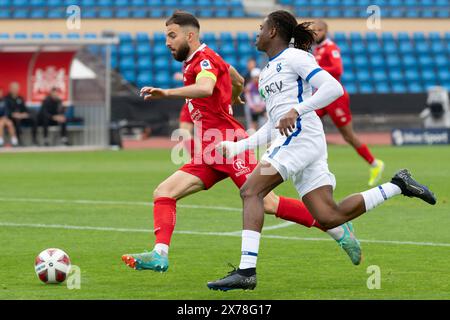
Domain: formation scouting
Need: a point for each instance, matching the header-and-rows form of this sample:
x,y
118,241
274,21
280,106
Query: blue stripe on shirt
x,y
312,73
288,140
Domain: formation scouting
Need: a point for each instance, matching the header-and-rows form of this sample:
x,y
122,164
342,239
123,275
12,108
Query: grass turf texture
x,y
287,269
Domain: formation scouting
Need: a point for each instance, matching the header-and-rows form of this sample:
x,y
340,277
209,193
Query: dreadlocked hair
x,y
288,28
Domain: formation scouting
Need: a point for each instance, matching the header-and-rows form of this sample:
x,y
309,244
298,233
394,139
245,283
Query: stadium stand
x,y
123,9
373,63
358,8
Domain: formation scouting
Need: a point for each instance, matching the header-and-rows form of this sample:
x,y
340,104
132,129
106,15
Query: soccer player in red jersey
x,y
210,87
328,58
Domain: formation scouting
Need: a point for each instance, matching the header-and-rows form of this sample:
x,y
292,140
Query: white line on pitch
x,y
107,202
137,203
230,234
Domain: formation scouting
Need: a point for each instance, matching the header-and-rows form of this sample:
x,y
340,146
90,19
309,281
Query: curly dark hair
x,y
288,28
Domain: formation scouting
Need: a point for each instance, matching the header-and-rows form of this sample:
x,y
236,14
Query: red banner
x,y
51,70
37,73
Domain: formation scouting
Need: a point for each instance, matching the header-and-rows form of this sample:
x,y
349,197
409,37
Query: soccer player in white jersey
x,y
298,149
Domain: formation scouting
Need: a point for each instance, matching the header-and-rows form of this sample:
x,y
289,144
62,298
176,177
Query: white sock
x,y
14,141
378,195
2,141
250,246
161,248
336,233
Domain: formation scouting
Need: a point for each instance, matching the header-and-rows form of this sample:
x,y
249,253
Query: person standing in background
x,y
328,57
254,102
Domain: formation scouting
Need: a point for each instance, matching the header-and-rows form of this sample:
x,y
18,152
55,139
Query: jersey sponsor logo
x,y
279,67
240,167
272,88
335,54
205,65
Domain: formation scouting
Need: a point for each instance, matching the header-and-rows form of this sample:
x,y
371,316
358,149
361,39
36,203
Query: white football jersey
x,y
283,82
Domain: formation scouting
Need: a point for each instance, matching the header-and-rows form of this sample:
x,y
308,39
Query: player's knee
x,y
247,192
328,221
161,191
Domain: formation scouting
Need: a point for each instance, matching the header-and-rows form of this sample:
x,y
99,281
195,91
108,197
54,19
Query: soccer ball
x,y
52,265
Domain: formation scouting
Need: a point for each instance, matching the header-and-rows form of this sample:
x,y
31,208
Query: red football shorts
x,y
237,169
185,115
338,110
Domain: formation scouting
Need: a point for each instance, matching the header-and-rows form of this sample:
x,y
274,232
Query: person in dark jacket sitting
x,y
51,114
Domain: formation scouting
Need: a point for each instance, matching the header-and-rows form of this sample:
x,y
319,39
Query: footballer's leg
x,y
295,210
178,185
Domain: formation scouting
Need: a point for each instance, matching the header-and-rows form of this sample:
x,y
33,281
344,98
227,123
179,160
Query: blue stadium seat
x,y
434,36
121,3
142,37
393,62
351,88
377,61
409,61
19,3
428,76
20,35
37,35
437,48
415,87
143,49
412,75
176,66
55,35
363,75
125,37
126,63
90,35
348,76
390,48
226,37
151,3
422,47
387,37
156,13
403,37
238,13
244,49
399,88
37,14
443,14
213,46
105,13
20,14
89,13
373,48
139,13
379,76
160,63
4,35
54,3
105,3
441,62
205,13
443,75
227,48
208,37
358,48
419,37
144,64
56,13
395,75
222,13
366,88
161,50
162,79
382,88
35,3
88,3
371,37
144,79
73,35
412,13
159,37
5,14
425,62
129,75
126,49
356,37
406,48
318,13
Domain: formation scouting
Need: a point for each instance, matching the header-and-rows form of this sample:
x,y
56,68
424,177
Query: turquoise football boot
x,y
147,261
350,244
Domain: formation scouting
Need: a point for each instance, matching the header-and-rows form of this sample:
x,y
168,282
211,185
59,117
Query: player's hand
x,y
237,101
286,125
150,93
227,149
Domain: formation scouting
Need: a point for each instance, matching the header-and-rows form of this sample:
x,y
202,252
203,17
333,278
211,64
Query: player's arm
x,y
328,90
237,82
263,136
203,88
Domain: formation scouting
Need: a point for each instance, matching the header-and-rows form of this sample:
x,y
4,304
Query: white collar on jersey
x,y
203,46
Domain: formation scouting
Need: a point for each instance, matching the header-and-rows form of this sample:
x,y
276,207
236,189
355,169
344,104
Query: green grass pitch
x,y
41,201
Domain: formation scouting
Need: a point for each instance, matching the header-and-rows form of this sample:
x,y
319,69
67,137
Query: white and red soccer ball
x,y
52,265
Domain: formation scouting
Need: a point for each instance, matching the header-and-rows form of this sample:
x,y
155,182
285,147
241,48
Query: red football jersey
x,y
328,57
214,112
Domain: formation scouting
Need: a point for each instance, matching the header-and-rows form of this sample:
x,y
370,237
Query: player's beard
x,y
319,41
182,53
